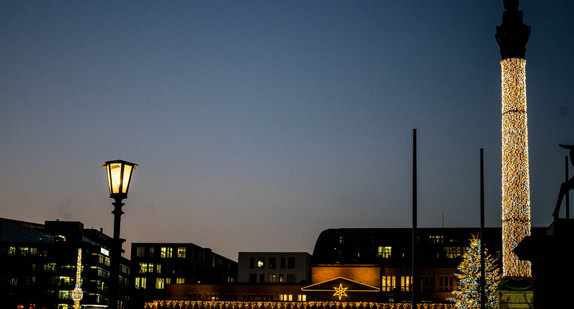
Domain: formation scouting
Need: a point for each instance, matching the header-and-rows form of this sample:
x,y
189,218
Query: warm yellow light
x,y
214,304
77,293
340,291
119,175
515,168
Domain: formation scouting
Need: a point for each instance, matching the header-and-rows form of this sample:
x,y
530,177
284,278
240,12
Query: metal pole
x,y
114,279
567,195
482,270
414,282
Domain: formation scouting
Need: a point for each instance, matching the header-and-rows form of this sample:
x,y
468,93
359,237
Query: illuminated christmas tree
x,y
468,294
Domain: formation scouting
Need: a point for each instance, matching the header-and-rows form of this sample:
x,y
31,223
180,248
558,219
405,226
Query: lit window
x,y
435,239
11,251
180,281
141,283
158,268
388,283
286,297
384,252
26,251
146,268
50,266
302,297
63,280
140,252
181,252
453,252
406,283
65,294
159,283
166,252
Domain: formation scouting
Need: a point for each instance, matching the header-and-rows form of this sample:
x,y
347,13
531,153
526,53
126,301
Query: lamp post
x,y
119,175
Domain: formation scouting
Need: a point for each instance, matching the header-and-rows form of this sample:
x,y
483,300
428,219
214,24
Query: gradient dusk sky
x,y
258,124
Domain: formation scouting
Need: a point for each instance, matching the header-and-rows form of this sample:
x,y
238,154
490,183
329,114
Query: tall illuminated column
x,y
512,36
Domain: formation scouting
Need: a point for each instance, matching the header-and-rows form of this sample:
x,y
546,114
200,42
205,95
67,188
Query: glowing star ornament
x,y
340,291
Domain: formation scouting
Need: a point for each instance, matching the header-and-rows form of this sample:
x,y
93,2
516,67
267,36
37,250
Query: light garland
x,y
77,293
515,171
216,304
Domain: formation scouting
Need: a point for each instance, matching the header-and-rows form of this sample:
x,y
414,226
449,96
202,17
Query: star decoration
x,y
340,291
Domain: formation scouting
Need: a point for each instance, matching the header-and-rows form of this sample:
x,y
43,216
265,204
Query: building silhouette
x,y
39,264
158,265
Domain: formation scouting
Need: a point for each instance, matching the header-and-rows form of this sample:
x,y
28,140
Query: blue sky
x,y
258,124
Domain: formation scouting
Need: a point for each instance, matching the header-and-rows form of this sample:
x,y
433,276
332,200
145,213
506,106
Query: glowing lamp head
x,y
119,177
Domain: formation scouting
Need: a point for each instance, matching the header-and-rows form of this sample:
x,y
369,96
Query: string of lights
x,y
77,293
515,169
215,304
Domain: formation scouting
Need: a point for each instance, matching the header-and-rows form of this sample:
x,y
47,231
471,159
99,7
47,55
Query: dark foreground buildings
x,y
348,266
39,265
156,266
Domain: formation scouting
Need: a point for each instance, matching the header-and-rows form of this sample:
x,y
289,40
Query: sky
x,y
258,124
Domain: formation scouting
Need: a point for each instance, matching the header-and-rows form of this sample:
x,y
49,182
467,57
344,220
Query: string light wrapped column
x,y
515,168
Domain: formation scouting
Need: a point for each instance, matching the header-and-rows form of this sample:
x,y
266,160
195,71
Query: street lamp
x,y
119,176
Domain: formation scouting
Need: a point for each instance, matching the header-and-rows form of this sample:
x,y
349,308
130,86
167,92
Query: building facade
x,y
378,263
274,267
39,265
350,266
158,265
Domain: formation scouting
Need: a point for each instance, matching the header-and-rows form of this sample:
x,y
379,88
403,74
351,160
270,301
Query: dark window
x,y
252,278
261,278
271,262
282,263
252,262
291,262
